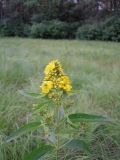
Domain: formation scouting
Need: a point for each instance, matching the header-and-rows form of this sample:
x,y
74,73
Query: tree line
x,y
26,9
59,18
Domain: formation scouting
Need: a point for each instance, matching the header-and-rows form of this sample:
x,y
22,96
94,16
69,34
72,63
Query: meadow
x,y
94,68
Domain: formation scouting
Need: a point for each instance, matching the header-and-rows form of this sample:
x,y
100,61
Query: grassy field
x,y
94,68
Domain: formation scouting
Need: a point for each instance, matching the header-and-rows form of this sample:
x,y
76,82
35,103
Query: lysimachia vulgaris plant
x,y
52,115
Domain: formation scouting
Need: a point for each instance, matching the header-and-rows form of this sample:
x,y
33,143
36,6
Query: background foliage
x,y
60,19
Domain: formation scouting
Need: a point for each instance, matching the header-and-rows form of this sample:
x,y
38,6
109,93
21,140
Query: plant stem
x,y
57,130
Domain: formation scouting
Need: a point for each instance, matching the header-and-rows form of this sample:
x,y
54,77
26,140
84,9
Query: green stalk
x,y
57,130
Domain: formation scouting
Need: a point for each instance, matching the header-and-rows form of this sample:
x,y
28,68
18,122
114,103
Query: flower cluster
x,y
55,79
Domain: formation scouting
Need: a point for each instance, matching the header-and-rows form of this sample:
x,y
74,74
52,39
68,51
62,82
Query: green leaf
x,y
77,145
71,124
82,117
31,94
39,152
24,129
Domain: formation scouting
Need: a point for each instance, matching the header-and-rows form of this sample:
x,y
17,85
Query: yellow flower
x,y
67,87
50,67
54,67
64,83
46,86
55,79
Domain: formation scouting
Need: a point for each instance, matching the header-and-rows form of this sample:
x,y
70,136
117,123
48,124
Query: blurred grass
x,y
94,68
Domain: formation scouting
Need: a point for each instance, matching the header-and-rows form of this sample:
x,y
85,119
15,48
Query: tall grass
x,y
94,68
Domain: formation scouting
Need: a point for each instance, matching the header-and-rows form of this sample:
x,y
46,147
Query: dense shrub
x,y
73,28
57,29
54,29
38,30
6,28
26,30
111,29
89,32
11,27
107,30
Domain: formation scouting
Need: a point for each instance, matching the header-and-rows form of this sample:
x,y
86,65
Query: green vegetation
x,y
93,68
61,19
107,30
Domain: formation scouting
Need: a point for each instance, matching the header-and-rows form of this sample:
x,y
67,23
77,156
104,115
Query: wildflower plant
x,y
52,115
